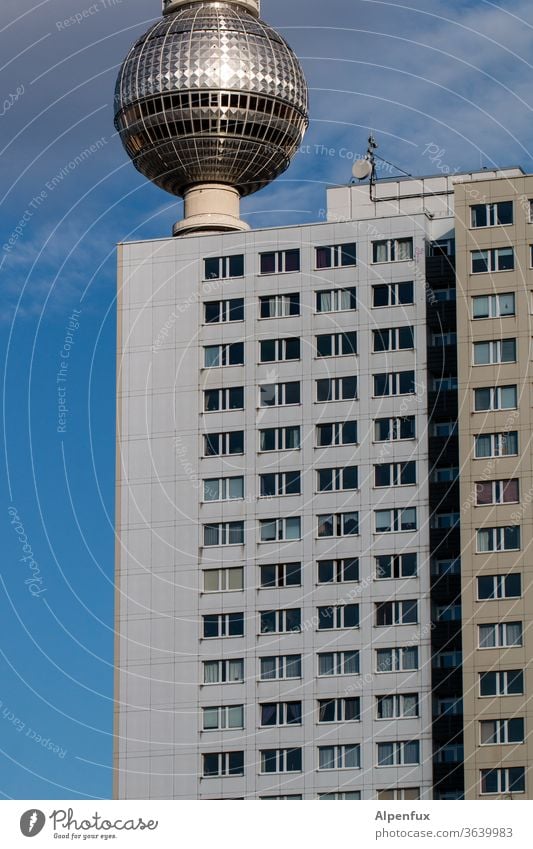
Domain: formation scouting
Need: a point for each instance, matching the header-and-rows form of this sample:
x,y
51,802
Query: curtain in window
x,y
346,299
292,437
235,672
211,534
326,664
268,714
351,757
385,754
386,707
484,493
411,752
380,251
488,732
326,757
410,657
404,249
487,636
410,705
211,672
268,668
293,666
483,446
514,633
236,533
323,257
480,307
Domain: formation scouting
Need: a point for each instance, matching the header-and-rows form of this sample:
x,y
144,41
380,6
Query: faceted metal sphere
x,y
211,94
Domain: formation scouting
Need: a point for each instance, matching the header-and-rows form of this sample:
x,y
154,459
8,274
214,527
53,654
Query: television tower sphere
x,y
211,105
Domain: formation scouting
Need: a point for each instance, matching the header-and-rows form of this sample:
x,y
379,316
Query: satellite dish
x,y
362,169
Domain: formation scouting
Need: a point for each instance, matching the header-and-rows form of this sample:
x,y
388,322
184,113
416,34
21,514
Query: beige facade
x,y
494,238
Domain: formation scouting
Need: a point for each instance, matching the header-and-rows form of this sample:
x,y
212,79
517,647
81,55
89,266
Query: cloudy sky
x,y
450,76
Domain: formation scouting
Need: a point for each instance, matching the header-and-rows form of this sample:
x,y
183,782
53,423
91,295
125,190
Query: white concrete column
x,y
210,207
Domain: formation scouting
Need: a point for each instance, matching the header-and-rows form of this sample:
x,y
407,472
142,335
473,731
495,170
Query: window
x,y
223,763
224,671
224,399
340,616
223,489
447,612
292,796
399,753
495,732
508,683
395,474
280,262
440,340
443,521
280,668
497,492
224,533
491,353
495,398
449,753
395,383
496,444
339,710
393,339
498,539
338,663
493,306
336,300
446,566
448,428
442,247
396,613
401,706
220,718
336,256
223,625
218,444
280,621
338,524
336,433
389,429
279,306
492,587
393,294
396,566
281,575
341,796
336,344
403,793
336,389
392,250
449,706
510,779
447,659
279,394
281,760
491,214
339,757
279,439
445,293
279,483
231,354
272,530
445,383
388,521
277,350
223,580
500,635
496,259
402,659
218,267
281,713
334,480
338,571
222,311
444,474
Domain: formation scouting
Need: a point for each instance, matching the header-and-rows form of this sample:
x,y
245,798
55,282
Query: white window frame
x,y
339,296
499,582
501,634
223,716
394,339
224,579
280,346
223,399
281,439
398,609
281,714
340,660
337,479
501,732
398,706
338,616
396,515
340,756
281,575
282,480
395,428
339,709
337,435
498,442
224,487
278,392
224,267
282,306
494,304
336,256
280,527
502,683
393,383
397,655
337,342
339,522
495,351
336,389
282,667
393,299
496,398
224,350
494,256
223,667
223,764
223,626
281,761
224,311
280,616
224,443
492,213
280,261
391,250
396,472
498,492
498,539
223,533
398,753
503,781
396,566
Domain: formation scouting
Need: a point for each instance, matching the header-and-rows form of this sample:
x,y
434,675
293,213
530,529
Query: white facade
x,y
161,514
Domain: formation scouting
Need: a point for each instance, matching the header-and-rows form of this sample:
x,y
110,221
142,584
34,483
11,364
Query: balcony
x,y
444,450
442,359
441,316
444,497
443,404
440,269
447,682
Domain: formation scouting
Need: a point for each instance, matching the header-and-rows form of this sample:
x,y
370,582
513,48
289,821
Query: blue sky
x,y
456,75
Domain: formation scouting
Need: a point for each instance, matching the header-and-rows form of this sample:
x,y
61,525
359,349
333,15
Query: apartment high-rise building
x,y
303,584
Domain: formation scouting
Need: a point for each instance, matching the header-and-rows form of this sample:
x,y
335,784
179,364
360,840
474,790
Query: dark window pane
x,y
268,439
324,389
326,618
325,480
268,263
381,384
351,570
409,564
236,266
294,760
294,306
236,309
268,484
325,434
515,682
380,295
405,293
212,268
513,588
268,351
212,312
350,477
211,400
351,616
406,337
292,349
349,433
407,427
236,398
324,345
210,764
268,576
349,388
348,254
323,257
211,626
293,574
326,571
236,442
486,587
268,714
292,260
268,622
381,340
292,393
292,483
236,354
326,711
407,382
293,619
294,713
